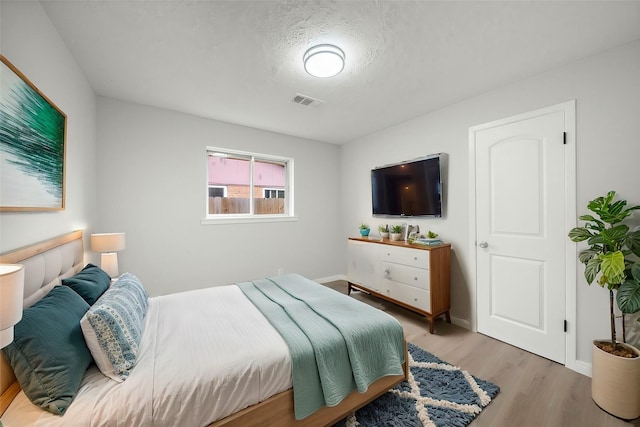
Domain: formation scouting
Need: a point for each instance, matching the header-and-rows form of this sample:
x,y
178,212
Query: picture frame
x,y
410,230
32,145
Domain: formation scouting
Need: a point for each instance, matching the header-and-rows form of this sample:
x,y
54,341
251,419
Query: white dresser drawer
x,y
409,295
413,257
417,277
363,267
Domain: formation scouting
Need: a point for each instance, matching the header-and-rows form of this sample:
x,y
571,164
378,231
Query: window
x,y
273,193
248,185
217,191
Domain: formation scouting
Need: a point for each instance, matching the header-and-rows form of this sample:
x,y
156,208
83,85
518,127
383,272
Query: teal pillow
x,y
48,353
89,283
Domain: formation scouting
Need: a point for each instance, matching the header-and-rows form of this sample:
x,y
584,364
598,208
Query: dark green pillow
x,y
48,353
89,283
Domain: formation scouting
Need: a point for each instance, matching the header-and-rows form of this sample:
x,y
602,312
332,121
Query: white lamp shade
x,y
11,296
107,242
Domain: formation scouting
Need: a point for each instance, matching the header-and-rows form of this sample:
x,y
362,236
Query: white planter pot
x,y
396,236
615,383
384,234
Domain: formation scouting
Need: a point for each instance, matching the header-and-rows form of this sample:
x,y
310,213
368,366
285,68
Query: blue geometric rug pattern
x,y
436,394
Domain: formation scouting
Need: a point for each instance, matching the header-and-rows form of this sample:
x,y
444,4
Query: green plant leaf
x,y
595,227
588,254
592,269
579,234
612,268
616,208
632,241
597,224
599,203
635,272
596,239
615,236
628,297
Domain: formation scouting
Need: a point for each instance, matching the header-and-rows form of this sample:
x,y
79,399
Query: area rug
x,y
436,394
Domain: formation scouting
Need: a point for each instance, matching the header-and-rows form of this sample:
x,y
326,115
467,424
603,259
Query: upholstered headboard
x,y
45,265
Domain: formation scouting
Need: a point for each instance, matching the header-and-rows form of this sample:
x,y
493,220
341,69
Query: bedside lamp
x,y
11,296
108,244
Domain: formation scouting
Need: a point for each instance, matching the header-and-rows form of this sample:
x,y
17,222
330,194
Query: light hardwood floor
x,y
534,391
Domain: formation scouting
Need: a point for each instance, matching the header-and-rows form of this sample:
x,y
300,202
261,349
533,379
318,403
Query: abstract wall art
x,y
32,145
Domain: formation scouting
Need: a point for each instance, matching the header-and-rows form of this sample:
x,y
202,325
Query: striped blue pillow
x,y
112,327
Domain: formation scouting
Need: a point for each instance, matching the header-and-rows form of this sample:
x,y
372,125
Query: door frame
x,y
569,110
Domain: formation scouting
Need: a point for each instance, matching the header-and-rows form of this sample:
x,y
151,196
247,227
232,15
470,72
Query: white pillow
x,y
112,327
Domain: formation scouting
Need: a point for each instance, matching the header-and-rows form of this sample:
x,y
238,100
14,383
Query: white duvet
x,y
204,354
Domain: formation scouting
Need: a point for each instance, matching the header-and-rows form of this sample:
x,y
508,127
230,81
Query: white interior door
x,y
521,231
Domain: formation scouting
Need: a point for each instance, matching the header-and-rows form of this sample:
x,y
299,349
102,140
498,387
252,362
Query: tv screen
x,y
411,188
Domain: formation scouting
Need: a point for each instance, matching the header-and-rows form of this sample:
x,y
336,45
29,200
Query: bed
x,y
215,356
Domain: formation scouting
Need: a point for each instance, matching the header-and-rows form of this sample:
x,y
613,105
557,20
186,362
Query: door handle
x,y
483,245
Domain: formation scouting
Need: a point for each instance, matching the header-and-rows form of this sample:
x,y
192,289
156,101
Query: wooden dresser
x,y
416,277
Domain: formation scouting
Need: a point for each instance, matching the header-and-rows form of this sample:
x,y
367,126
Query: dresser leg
x,y
431,322
446,313
348,288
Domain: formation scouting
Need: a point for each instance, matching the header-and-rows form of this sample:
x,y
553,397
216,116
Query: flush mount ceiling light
x,y
324,60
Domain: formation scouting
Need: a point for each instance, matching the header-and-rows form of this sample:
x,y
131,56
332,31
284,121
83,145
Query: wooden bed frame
x,y
275,411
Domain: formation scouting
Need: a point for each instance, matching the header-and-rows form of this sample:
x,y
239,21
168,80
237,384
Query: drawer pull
x,y
415,258
415,278
415,299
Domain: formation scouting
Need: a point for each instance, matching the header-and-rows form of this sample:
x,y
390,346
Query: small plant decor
x,y
396,229
396,232
432,235
364,229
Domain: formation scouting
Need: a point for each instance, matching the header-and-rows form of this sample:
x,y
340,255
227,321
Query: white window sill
x,y
246,220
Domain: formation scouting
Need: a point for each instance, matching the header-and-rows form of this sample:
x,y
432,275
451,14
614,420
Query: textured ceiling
x,y
241,61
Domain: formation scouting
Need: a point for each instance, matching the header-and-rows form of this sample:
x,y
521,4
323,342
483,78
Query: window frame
x,y
250,217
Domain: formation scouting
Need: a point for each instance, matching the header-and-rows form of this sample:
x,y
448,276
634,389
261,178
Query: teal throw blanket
x,y
337,344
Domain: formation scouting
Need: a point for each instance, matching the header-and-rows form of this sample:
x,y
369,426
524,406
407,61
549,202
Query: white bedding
x,y
205,354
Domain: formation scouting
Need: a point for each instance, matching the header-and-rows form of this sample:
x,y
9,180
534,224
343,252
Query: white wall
x,y
151,184
32,44
607,90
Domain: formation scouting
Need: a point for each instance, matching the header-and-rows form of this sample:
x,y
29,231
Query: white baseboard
x,y
461,322
581,367
331,278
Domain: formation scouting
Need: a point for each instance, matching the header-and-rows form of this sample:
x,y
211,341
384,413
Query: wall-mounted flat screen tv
x,y
411,188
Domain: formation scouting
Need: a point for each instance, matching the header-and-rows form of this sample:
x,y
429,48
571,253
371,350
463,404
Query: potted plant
x,y
364,230
615,384
396,232
384,231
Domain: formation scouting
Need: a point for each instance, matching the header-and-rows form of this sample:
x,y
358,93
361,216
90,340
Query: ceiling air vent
x,y
306,100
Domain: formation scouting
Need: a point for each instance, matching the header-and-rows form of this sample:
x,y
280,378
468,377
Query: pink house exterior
x,y
235,175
